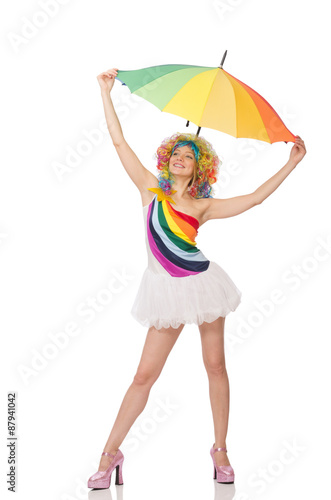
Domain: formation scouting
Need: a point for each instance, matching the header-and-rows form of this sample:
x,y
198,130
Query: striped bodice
x,y
171,239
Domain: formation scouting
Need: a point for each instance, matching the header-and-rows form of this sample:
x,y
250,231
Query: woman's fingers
x,y
299,142
300,145
110,73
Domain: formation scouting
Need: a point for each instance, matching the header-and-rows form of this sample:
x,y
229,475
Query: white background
x,y
63,237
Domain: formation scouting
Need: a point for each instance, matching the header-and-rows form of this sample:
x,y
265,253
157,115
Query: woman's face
x,y
182,162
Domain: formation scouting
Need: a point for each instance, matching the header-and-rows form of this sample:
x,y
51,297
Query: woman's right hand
x,y
107,78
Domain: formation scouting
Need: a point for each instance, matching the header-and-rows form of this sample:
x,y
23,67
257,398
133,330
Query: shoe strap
x,y
106,453
220,449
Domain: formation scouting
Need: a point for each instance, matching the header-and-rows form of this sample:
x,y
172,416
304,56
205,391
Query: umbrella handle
x,y
199,128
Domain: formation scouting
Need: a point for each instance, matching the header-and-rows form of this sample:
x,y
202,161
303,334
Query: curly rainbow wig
x,y
206,169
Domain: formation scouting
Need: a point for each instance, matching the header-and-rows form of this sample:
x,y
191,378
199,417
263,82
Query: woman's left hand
x,y
298,151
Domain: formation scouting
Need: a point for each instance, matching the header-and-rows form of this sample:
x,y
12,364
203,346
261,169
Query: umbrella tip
x,y
222,62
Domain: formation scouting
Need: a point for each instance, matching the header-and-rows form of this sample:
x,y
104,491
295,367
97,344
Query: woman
x,y
180,284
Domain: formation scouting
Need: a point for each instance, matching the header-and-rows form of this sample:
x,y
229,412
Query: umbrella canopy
x,y
209,97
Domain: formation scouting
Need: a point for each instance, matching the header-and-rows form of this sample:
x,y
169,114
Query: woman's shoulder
x,y
202,203
196,207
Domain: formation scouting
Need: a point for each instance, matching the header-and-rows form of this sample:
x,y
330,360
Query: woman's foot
x,y
106,460
221,457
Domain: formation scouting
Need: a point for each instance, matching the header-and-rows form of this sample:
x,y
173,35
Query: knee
x,y
144,377
215,367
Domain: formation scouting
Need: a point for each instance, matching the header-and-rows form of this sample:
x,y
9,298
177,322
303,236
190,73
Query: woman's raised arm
x,y
228,207
141,177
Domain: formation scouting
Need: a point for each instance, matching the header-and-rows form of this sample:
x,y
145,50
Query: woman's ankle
x,y
112,451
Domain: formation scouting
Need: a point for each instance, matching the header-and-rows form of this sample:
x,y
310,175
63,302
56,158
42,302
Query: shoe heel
x,y
119,474
214,473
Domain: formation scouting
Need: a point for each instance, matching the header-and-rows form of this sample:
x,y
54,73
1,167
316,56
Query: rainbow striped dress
x,y
171,240
180,285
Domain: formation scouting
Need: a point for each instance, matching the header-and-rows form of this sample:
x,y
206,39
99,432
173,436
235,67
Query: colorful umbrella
x,y
208,97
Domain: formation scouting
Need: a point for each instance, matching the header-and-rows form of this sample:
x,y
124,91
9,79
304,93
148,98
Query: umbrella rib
x,y
234,97
273,110
268,105
204,107
235,107
242,86
258,112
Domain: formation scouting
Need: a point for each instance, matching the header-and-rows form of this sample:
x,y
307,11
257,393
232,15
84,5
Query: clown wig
x,y
205,171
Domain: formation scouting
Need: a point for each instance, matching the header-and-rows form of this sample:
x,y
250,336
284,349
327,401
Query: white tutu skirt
x,y
163,300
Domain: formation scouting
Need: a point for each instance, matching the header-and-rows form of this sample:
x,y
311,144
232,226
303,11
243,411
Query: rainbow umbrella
x,y
209,97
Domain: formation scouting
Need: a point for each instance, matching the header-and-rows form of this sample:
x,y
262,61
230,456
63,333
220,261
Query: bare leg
x,y
157,347
212,341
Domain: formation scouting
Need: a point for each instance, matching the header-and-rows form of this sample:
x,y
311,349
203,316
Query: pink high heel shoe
x,y
223,473
101,479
